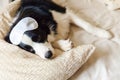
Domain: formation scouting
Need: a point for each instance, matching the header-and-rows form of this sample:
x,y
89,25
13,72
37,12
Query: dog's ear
x,y
31,2
22,26
49,4
53,6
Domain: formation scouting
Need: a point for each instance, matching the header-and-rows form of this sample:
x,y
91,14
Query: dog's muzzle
x,y
44,50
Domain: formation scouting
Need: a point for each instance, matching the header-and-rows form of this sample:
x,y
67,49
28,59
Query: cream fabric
x,y
17,64
112,4
3,3
104,63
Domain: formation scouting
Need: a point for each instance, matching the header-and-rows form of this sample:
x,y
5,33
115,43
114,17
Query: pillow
x,y
16,63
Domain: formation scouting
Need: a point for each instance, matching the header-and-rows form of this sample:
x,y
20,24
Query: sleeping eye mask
x,y
22,26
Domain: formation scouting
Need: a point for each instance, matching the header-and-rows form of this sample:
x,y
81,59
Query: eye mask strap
x,y
22,26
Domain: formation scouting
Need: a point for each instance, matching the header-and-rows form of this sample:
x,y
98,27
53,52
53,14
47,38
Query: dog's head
x,y
29,37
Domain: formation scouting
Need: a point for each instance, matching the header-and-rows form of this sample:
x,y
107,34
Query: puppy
x,y
47,23
32,25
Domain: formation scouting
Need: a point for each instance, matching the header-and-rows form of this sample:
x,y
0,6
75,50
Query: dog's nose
x,y
48,54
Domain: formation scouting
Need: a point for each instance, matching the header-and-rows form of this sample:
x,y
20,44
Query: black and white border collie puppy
x,y
32,25
41,22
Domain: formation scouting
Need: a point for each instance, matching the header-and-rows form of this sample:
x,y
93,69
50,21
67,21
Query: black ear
x,y
34,2
48,3
53,6
28,2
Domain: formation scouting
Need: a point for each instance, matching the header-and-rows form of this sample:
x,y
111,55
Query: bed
x,y
104,63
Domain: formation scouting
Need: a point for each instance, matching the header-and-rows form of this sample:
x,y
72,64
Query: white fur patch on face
x,y
23,25
40,48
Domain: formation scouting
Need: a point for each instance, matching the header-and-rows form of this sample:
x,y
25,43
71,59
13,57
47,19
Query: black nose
x,y
48,54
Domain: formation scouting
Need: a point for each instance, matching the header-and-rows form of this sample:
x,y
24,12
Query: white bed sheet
x,y
104,64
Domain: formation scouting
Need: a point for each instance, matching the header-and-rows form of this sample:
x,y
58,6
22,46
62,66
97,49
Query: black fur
x,y
46,4
26,47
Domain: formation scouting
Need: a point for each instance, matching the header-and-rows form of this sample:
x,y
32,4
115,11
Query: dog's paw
x,y
65,45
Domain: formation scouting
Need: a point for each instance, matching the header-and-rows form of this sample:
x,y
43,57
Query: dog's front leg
x,y
63,45
87,26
